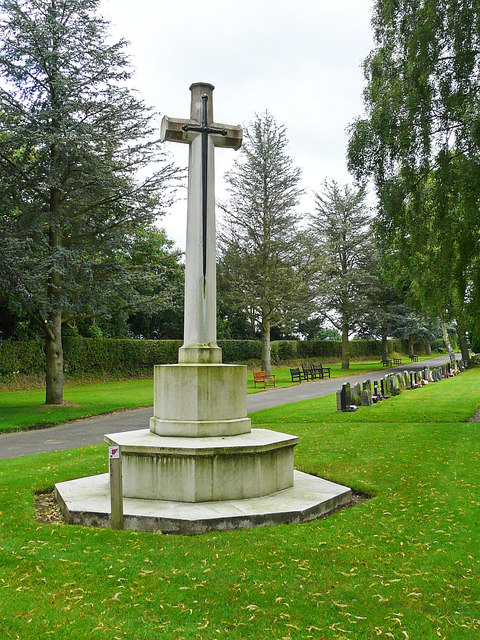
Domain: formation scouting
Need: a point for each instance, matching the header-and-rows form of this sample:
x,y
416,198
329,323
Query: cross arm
x,y
172,131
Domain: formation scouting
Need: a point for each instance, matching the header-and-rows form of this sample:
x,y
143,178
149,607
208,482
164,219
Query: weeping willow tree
x,y
420,142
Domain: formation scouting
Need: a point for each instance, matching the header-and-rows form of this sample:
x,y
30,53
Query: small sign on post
x,y
116,496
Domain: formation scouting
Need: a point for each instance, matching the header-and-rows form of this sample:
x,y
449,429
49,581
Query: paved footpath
x,y
81,433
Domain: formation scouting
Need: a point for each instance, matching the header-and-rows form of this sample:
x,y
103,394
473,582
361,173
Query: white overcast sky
x,y
300,59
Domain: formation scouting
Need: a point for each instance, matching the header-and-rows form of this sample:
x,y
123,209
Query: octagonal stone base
x,y
86,501
204,469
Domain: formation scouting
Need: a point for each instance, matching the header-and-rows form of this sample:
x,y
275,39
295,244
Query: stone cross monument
x,y
202,136
200,466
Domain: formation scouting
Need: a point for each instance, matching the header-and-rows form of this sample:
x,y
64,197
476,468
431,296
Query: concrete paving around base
x,y
87,501
82,433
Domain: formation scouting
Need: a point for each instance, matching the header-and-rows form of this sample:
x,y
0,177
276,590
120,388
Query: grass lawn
x,y
23,409
403,565
26,408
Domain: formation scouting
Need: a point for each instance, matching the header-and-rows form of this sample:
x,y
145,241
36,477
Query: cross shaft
x,y
205,130
202,135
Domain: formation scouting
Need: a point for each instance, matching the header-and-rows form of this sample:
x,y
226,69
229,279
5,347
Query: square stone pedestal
x,y
196,400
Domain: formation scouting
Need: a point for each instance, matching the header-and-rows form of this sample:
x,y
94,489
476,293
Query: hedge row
x,y
101,356
298,349
21,358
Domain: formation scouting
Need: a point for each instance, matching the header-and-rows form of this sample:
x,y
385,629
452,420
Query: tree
x,y
158,312
313,329
420,142
74,138
266,262
341,227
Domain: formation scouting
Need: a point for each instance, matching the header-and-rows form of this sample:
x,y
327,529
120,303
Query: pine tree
x,y
266,261
341,227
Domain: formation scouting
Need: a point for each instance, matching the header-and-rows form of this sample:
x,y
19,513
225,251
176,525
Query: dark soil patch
x,y
47,510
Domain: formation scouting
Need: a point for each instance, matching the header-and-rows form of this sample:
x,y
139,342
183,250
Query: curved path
x,y
89,431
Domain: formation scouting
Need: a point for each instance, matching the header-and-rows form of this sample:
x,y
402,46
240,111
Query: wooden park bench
x,y
322,371
386,362
260,377
397,361
309,372
297,375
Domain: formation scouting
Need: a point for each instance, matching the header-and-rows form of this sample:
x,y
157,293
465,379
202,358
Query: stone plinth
x,y
87,501
204,469
196,400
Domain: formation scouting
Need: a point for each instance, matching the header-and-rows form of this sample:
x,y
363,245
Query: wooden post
x,y
116,496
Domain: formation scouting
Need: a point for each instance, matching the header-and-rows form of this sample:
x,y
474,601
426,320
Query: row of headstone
x,y
367,393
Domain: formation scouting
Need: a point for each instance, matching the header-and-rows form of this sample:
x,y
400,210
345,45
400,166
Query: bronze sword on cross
x,y
205,129
202,135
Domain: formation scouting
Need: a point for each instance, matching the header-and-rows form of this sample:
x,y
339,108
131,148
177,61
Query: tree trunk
x,y
384,346
410,345
428,347
266,352
447,343
54,360
53,344
463,343
345,347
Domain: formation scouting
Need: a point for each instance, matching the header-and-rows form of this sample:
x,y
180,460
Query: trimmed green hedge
x,y
104,356
240,350
21,358
112,356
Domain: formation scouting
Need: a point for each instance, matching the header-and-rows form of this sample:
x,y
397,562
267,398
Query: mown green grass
x,y
25,409
404,564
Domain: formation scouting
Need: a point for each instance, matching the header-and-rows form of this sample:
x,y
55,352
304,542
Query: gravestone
x,y
384,385
367,398
367,385
356,394
344,399
392,385
340,403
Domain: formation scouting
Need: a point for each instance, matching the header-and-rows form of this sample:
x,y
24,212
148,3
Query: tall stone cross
x,y
202,135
